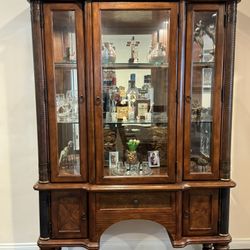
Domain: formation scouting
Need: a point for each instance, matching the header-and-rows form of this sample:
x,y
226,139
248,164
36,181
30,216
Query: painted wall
x,y
18,150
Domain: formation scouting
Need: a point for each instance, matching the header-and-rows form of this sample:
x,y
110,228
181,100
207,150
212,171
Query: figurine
x,y
134,52
64,155
108,53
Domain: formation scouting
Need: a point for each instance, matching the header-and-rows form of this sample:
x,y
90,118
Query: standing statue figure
x,y
65,153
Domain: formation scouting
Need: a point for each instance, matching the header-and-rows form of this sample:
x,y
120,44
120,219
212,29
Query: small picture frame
x,y
113,159
207,77
142,108
153,159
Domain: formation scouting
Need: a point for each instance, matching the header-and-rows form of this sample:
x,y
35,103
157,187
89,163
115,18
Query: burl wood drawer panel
x,y
155,206
200,212
68,210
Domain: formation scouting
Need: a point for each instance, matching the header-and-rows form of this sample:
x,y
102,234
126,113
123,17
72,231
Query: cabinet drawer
x,y
126,200
69,215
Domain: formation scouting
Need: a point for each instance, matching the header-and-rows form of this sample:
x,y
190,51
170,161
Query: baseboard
x,y
241,243
19,246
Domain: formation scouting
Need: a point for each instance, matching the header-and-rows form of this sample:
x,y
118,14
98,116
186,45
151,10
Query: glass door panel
x,y
64,92
135,76
203,94
66,87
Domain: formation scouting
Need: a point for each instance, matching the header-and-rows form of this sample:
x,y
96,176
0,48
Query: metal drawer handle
x,y
136,202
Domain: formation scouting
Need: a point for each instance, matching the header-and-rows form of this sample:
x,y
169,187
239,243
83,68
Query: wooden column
x,y
41,90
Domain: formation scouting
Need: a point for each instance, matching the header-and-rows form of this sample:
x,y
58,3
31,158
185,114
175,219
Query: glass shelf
x,y
69,65
203,64
73,122
135,123
202,121
134,66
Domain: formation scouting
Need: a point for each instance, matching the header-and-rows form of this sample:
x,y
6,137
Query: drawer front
x,y
69,217
200,212
135,200
159,207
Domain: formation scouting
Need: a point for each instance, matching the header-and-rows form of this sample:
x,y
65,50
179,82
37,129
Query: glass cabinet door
x,y
203,91
65,75
135,84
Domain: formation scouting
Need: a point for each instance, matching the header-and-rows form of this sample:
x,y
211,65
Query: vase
x,y
132,157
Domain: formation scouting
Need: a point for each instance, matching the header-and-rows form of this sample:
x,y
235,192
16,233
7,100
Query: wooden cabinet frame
x,y
95,197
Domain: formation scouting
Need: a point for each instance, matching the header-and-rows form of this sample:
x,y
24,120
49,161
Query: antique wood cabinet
x,y
134,110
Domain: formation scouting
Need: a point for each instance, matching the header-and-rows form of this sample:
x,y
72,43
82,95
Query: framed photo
x,y
113,159
207,77
142,108
153,159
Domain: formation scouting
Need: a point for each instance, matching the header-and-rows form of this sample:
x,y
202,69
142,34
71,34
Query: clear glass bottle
x,y
132,92
149,90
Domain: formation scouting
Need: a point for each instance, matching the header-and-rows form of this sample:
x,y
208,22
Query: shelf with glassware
x,y
67,116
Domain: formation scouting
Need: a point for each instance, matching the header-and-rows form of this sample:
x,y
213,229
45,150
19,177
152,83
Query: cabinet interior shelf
x,y
203,64
134,66
73,65
76,122
134,123
70,65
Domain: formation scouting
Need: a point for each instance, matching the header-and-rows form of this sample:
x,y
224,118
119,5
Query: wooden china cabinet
x,y
134,110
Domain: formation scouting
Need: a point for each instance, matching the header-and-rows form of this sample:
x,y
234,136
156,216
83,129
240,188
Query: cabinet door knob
x,y
186,214
83,217
188,99
81,99
98,100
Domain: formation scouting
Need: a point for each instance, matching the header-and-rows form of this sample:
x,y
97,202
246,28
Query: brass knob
x,y
98,100
188,99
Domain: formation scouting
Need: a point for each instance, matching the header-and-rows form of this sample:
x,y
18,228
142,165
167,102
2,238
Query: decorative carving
x,y
68,214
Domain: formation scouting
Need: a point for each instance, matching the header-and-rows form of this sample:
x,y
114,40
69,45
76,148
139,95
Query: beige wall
x,y
18,150
240,202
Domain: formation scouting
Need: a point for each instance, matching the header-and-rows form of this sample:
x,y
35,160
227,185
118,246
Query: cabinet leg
x,y
207,247
221,246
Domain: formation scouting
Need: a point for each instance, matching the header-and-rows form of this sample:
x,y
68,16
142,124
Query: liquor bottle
x,y
132,92
149,89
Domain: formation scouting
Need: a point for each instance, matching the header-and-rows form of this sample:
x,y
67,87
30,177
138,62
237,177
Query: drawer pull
x,y
136,202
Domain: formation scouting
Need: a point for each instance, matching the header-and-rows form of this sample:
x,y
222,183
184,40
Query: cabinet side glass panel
x,y
203,79
66,91
135,58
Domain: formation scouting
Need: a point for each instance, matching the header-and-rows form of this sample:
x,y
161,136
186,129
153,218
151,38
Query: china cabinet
x,y
134,110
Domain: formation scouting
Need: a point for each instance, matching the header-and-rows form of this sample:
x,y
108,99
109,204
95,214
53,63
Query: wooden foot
x,y
207,247
221,246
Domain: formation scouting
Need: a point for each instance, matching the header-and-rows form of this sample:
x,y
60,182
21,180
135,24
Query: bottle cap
x,y
132,77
